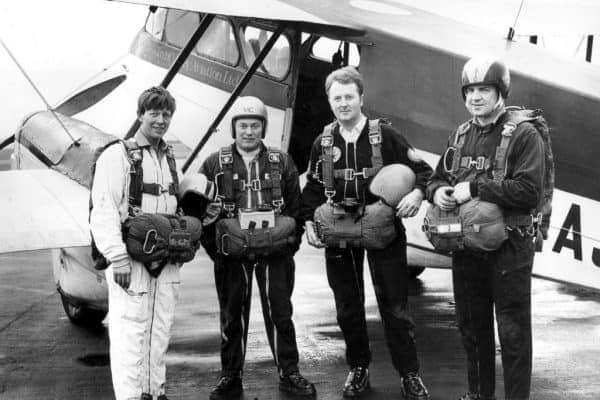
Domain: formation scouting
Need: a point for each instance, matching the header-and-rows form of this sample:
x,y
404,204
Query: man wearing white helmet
x,y
343,161
259,184
498,279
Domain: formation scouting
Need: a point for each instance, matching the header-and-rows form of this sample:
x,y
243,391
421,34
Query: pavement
x,y
44,356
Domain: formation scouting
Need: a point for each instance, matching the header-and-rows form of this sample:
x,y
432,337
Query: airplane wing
x,y
536,17
42,209
278,10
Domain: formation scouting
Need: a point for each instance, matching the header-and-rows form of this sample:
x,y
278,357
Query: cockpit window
x,y
180,26
277,62
327,49
218,42
156,22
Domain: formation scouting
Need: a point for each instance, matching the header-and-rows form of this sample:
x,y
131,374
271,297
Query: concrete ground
x,y
44,356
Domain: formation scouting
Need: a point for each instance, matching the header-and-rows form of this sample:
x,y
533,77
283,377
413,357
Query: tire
x,y
81,315
414,272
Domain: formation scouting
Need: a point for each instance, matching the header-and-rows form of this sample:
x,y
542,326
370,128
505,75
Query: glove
x,y
443,198
212,213
462,192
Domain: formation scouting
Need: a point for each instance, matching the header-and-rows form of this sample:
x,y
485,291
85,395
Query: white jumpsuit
x,y
140,318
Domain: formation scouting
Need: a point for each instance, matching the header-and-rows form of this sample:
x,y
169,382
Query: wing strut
x,y
178,63
238,89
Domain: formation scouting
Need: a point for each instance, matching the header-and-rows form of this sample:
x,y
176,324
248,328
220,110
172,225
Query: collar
x,y
142,141
352,134
488,127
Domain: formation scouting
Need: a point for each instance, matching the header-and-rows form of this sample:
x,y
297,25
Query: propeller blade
x,y
88,97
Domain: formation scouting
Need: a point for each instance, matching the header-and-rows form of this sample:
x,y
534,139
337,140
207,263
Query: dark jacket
x,y
521,190
290,187
394,149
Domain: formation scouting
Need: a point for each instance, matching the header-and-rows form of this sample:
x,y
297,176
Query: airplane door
x,y
318,57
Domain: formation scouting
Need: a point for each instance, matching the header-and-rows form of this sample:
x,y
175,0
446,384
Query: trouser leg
x,y
127,318
163,298
471,276
275,277
390,280
345,276
512,292
233,281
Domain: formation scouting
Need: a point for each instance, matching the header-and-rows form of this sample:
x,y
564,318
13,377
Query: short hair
x,y
345,75
155,98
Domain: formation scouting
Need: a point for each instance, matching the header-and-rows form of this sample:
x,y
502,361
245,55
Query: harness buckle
x,y
349,174
255,185
229,207
278,204
329,194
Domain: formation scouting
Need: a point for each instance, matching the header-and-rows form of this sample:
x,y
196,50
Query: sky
x,y
60,44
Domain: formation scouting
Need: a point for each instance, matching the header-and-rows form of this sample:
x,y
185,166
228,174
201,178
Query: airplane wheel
x,y
414,272
82,316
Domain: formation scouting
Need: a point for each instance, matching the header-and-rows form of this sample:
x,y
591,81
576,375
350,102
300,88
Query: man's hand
x,y
443,198
462,192
311,235
122,275
410,204
212,213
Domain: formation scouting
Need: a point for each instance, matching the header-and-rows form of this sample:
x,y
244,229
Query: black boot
x,y
476,396
357,382
413,387
146,396
228,387
162,397
296,384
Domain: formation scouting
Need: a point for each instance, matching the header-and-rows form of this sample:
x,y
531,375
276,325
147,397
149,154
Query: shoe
x,y
356,382
162,397
413,387
228,387
296,384
146,396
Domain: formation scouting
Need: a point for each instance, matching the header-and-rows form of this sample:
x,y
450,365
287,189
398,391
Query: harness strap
x,y
499,171
136,176
174,186
349,174
276,192
459,142
228,185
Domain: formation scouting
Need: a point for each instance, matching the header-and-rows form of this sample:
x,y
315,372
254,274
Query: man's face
x,y
480,100
248,133
345,102
155,123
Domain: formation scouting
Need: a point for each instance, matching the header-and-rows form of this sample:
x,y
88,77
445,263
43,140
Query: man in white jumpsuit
x,y
141,307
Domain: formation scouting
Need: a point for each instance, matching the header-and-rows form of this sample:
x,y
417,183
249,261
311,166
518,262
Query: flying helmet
x,y
486,71
392,183
196,192
248,107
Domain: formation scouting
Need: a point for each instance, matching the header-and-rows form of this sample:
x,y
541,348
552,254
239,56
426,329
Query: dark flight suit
x,y
500,278
387,266
275,274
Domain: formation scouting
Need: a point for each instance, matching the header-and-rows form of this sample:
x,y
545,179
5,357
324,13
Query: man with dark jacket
x,y
354,145
254,180
498,279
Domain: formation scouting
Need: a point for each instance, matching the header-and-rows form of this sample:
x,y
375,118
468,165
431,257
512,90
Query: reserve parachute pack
x,y
480,229
153,239
256,231
371,226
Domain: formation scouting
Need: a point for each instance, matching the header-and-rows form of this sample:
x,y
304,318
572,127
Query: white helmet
x,y
196,192
248,107
392,183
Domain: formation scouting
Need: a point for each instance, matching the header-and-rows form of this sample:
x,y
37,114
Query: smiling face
x,y
481,100
154,123
345,102
248,133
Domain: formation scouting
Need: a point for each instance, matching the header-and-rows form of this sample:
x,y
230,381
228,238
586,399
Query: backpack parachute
x,y
517,115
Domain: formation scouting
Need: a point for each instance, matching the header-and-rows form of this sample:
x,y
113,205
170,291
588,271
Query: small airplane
x,y
209,52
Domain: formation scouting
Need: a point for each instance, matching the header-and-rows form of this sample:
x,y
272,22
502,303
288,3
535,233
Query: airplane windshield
x,y
217,43
277,62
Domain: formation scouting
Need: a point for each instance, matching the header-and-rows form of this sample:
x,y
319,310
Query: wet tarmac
x,y
44,356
